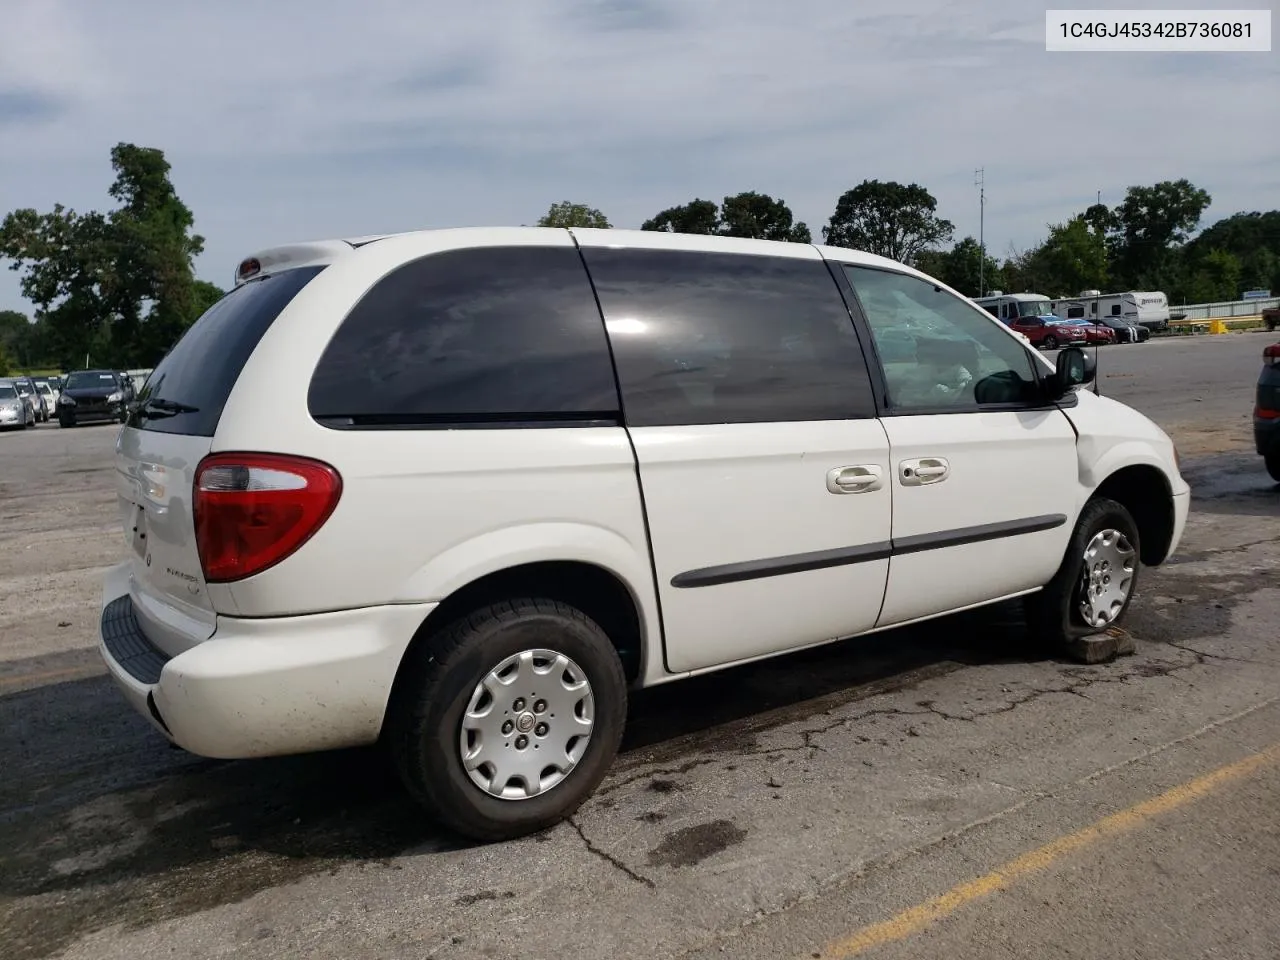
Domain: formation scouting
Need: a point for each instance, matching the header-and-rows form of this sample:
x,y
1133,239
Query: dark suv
x,y
92,395
1266,411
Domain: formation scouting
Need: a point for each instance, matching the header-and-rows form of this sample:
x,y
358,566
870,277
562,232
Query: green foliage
x,y
5,364
569,214
749,214
890,219
1073,258
118,286
1150,224
1213,275
962,267
758,216
697,216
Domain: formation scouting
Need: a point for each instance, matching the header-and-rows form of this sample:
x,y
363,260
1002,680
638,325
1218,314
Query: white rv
x,y
1012,306
1147,309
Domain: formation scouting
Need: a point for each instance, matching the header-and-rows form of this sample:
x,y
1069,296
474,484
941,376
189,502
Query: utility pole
x,y
980,181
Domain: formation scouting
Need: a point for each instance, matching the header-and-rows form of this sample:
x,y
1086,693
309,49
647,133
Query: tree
x,y
759,216
569,214
888,219
1150,223
1214,275
5,365
697,216
120,285
1072,259
962,267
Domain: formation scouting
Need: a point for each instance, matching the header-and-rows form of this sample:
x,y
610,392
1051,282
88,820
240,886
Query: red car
x,y
1099,333
1050,332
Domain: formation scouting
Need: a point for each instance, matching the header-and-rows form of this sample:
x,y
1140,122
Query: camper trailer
x,y
1009,307
1147,309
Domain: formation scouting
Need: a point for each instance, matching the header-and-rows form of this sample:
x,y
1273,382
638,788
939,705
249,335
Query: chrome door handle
x,y
859,479
923,471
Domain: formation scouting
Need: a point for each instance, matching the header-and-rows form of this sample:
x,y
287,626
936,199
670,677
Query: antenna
x,y
1097,344
980,181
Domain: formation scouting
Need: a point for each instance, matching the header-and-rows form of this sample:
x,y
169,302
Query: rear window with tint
x,y
486,336
187,391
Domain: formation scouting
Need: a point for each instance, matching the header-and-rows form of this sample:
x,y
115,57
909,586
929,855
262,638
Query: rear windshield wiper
x,y
166,408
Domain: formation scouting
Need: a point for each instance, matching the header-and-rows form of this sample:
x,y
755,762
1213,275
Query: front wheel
x,y
1051,342
1095,584
507,720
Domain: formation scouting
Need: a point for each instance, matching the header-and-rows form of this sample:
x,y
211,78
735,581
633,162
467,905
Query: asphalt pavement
x,y
939,791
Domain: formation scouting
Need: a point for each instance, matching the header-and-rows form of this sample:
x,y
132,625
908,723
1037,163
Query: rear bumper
x,y
264,687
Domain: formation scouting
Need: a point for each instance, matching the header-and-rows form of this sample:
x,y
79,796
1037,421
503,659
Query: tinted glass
x,y
91,380
484,335
188,389
961,359
7,391
727,338
1075,313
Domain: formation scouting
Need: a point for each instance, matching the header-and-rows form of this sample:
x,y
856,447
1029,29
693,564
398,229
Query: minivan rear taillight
x,y
1271,355
252,510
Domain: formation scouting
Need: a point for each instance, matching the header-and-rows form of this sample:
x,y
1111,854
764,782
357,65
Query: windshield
x,y
23,388
1033,308
7,391
89,381
44,388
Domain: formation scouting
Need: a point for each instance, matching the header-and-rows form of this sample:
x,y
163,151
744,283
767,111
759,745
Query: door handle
x,y
859,479
923,471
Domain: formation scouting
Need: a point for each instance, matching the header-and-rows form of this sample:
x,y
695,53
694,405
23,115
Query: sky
x,y
302,119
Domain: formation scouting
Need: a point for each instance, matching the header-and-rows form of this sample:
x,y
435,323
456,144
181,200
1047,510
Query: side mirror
x,y
1074,368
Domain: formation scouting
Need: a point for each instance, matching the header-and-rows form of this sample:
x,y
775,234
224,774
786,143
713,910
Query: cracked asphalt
x,y
771,811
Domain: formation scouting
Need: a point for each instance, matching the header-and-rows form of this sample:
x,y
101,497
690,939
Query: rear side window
x,y
496,336
188,389
703,338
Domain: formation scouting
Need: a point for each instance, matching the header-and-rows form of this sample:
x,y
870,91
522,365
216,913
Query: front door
x,y
984,473
765,474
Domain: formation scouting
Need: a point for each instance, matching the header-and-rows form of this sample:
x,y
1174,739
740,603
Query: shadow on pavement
x,y
101,822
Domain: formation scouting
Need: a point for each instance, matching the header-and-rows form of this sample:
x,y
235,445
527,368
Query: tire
x,y
1050,342
65,421
439,681
1054,615
1272,461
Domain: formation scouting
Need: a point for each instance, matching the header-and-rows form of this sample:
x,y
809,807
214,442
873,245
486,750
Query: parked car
x,y
17,412
48,396
592,460
27,388
91,395
1126,331
1266,411
1271,317
1050,333
1095,334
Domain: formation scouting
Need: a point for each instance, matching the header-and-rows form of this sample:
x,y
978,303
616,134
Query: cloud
x,y
21,107
329,118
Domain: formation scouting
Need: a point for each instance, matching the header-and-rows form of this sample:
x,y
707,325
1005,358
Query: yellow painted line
x,y
81,672
918,918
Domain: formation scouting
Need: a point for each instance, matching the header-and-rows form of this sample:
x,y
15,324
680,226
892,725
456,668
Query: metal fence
x,y
1225,309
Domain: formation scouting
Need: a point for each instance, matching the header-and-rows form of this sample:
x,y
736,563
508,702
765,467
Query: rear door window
x,y
706,338
484,336
186,392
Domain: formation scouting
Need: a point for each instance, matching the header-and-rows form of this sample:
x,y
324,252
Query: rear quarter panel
x,y
424,512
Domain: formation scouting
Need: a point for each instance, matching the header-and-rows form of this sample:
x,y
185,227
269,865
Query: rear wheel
x,y
1051,342
507,720
1272,460
65,421
1095,584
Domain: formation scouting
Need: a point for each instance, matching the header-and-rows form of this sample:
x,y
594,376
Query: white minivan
x,y
509,474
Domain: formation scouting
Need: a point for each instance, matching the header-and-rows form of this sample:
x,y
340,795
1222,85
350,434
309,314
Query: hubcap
x,y
1106,577
527,725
